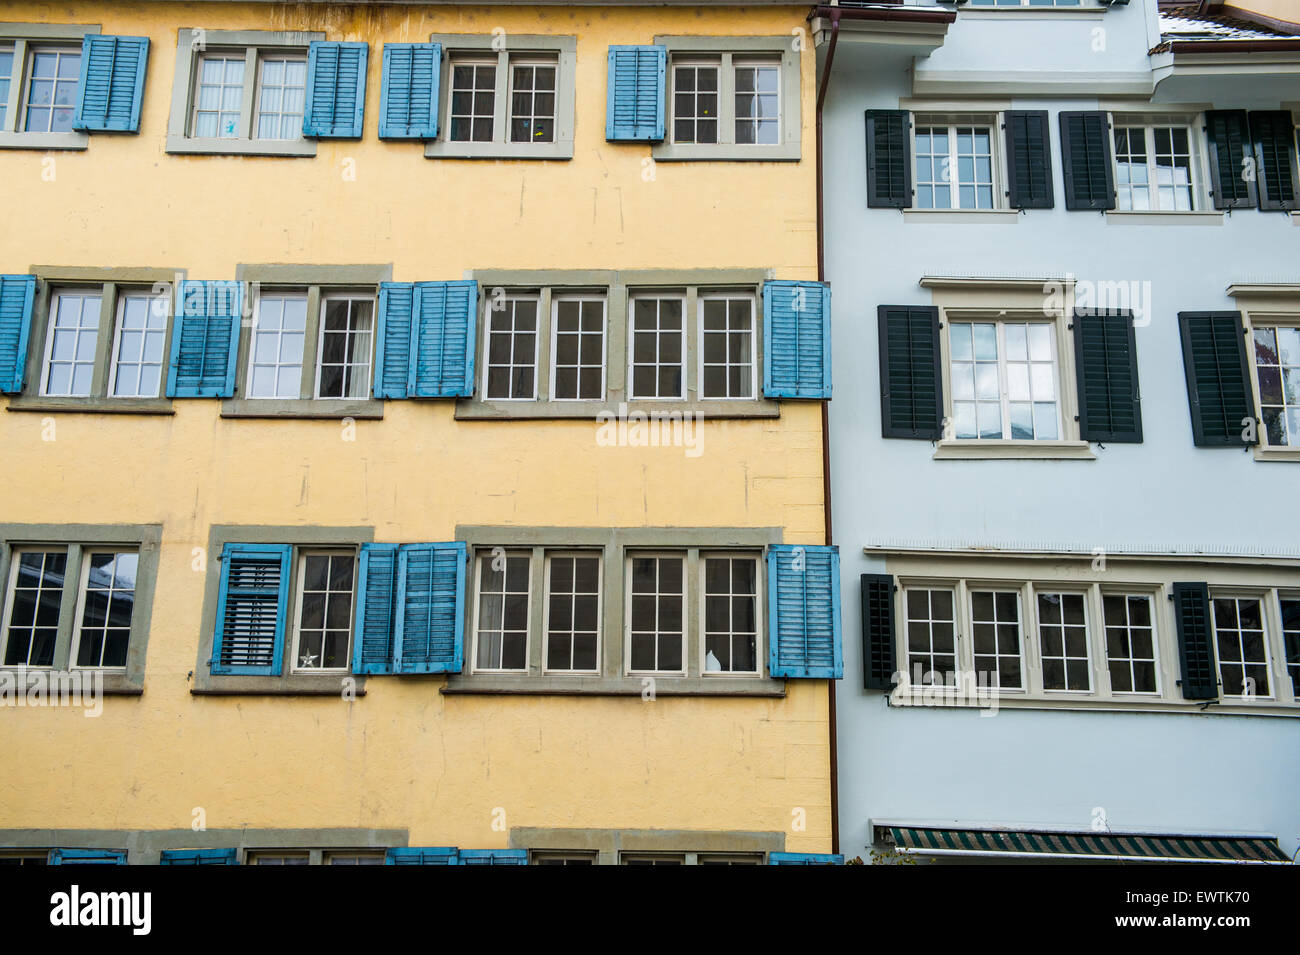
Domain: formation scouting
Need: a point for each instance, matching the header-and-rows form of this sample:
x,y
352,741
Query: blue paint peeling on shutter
x,y
393,354
494,857
444,326
205,340
427,855
634,95
336,90
112,83
408,95
87,857
804,858
375,629
430,608
197,857
803,626
17,292
796,339
252,604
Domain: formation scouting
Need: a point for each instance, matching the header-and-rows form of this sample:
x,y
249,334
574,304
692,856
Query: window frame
x,y
755,385
476,62
29,77
475,582
683,362
630,555
548,593
118,327
351,297
557,299
20,38
994,120
78,616
259,295
1156,650
1194,126
515,295
1268,634
56,298
295,607
905,656
760,613
259,83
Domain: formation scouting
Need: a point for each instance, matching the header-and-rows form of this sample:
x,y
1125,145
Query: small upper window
x,y
55,79
222,111
1154,168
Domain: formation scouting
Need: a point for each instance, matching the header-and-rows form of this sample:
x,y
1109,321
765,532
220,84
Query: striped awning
x,y
1082,846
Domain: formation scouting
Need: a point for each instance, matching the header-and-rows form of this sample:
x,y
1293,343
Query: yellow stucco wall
x,y
405,756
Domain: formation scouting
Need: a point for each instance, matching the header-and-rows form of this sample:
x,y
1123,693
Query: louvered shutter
x,y
493,857
444,324
376,623
1273,137
408,107
17,292
634,95
393,352
336,90
112,83
1228,133
803,627
1105,356
87,857
796,339
889,158
414,855
430,608
197,857
911,380
1195,641
205,340
878,631
1085,160
251,608
1219,391
1029,159
804,858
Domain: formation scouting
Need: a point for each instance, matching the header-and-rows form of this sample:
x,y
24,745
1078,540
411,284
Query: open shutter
x,y
444,324
251,607
878,631
430,608
493,857
911,381
17,292
1218,378
1273,137
414,855
634,96
1029,159
1085,160
803,599
408,95
796,339
804,858
336,90
376,619
87,857
1195,641
112,83
205,340
1228,133
889,158
197,857
393,353
1105,357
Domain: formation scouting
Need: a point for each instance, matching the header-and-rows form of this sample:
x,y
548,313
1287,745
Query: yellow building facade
x,y
551,740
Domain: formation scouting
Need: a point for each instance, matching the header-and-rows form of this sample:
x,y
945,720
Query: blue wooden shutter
x,y
1105,357
1085,160
796,339
430,608
889,159
1219,390
1195,641
1029,159
634,95
803,599
444,325
252,604
393,352
17,292
205,340
408,95
415,855
804,858
87,857
376,619
112,83
911,380
493,857
336,90
877,631
197,857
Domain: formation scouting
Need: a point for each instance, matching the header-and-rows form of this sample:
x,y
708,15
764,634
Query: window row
x,y
1134,162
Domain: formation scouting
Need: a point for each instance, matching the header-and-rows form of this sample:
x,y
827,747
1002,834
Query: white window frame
x,y
196,82
80,608
905,650
1025,622
1000,323
486,554
286,57
760,616
1280,594
536,299
350,297
28,77
548,557
474,60
725,296
300,583
1196,156
1152,599
632,299
726,63
997,161
118,327
628,557
6,121
534,61
556,299
285,293
756,61
51,325
1089,627
696,63
1262,598
10,586
1256,319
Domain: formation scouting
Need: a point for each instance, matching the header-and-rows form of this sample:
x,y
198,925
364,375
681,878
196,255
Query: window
x,y
1063,641
70,348
501,635
658,352
511,371
1004,380
730,614
354,858
219,96
578,325
652,858
1277,366
473,98
346,344
108,582
1154,168
325,588
36,583
727,347
1290,608
6,77
1025,3
1130,643
139,348
758,103
55,80
656,613
1241,646
995,628
14,858
275,370
695,102
954,166
717,858
563,858
572,613
279,858
532,102
930,626
281,97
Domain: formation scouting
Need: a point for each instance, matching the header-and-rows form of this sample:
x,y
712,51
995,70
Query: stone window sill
x,y
1045,450
44,141
1135,217
1000,216
145,406
692,152
302,148
316,408
441,149
115,683
1263,453
1030,13
631,686
294,684
619,413
929,699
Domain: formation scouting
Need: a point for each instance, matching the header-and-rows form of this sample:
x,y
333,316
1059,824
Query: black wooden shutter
x,y
1218,379
1029,160
911,382
878,631
1228,132
889,158
1105,360
1085,160
1273,137
1195,641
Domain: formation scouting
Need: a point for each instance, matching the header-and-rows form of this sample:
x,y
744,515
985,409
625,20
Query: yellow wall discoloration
x,y
405,756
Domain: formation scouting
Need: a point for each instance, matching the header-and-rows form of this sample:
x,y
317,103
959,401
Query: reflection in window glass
x,y
995,618
52,91
695,104
1277,363
6,76
1004,380
532,103
730,615
473,102
281,98
35,595
758,117
1063,642
74,334
954,167
277,346
107,603
1239,638
1153,168
1130,643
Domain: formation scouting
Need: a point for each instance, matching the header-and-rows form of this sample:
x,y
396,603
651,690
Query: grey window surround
x,y
288,682
78,538
565,49
318,281
113,281
613,544
145,846
21,35
619,286
609,845
191,43
789,149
